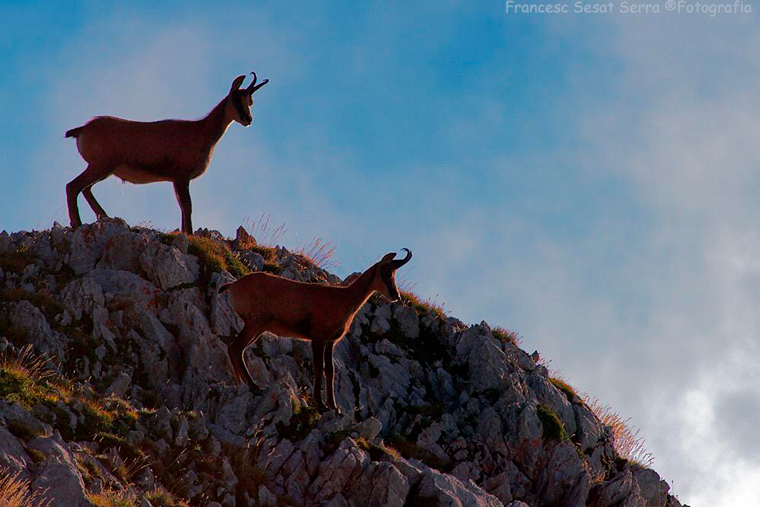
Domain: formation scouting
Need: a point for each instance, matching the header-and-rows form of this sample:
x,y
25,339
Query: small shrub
x,y
554,429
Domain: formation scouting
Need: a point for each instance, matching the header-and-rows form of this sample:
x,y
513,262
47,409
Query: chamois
x,y
308,311
146,152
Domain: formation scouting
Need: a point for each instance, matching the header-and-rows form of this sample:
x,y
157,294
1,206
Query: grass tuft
x,y
319,253
216,256
627,442
112,498
506,336
15,492
563,386
423,306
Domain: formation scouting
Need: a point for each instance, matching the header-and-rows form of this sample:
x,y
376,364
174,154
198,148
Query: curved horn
x,y
253,87
397,264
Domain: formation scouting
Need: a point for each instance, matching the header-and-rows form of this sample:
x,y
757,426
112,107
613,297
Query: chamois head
x,y
241,101
385,279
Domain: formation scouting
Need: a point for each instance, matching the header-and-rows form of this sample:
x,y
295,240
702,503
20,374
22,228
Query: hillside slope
x,y
128,399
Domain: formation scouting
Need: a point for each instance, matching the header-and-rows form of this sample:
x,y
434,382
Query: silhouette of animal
x,y
145,152
309,311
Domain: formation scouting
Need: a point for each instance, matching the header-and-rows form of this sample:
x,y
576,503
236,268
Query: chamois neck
x,y
216,122
361,288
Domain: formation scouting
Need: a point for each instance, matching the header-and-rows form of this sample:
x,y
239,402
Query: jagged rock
x,y
620,490
13,458
335,472
167,266
484,358
563,480
123,250
87,243
450,491
29,318
21,422
408,320
125,290
653,490
370,428
58,480
83,296
119,386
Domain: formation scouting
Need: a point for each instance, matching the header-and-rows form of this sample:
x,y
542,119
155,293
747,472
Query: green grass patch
x,y
554,429
216,256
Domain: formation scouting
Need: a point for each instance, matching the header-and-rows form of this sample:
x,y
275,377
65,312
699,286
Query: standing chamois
x,y
309,311
146,152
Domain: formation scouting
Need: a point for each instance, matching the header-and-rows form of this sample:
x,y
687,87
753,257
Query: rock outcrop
x,y
129,394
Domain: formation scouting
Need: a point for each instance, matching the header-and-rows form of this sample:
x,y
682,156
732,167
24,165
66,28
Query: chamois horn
x,y
252,87
398,263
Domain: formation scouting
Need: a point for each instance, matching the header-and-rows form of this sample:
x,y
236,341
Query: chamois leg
x,y
94,204
182,191
236,351
318,353
89,177
329,377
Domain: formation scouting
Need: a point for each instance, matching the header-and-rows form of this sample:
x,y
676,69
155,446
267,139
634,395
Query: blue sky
x,y
589,181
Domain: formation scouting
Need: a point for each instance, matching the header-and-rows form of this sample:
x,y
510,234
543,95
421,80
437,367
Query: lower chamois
x,y
308,311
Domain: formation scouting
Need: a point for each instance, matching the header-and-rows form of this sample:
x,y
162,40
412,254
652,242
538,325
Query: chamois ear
x,y
387,258
236,83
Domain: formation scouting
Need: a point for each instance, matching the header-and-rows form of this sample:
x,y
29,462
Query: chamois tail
x,y
74,132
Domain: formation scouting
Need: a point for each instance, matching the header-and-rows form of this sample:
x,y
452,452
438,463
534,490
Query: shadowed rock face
x,y
436,412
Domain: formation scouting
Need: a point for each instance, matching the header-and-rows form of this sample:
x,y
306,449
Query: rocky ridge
x,y
115,387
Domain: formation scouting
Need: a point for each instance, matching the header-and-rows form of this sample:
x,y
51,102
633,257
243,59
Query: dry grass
x,y
112,498
263,232
423,305
558,380
243,461
319,253
161,498
628,444
15,492
506,336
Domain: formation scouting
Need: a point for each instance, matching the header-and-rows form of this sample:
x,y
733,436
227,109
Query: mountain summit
x,y
116,390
